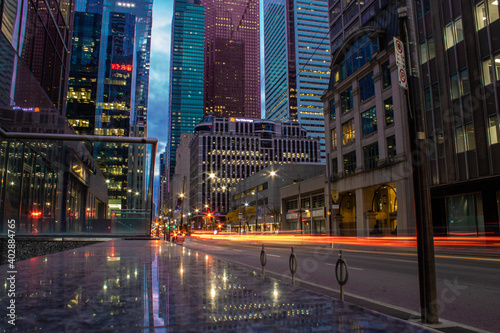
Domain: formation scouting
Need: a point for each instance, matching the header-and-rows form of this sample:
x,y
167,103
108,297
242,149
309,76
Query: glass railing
x,y
54,182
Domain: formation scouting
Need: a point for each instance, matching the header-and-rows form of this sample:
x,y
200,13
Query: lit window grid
x,y
313,67
231,165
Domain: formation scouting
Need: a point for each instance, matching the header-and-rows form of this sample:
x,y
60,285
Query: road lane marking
x,y
401,260
415,255
237,250
355,268
273,255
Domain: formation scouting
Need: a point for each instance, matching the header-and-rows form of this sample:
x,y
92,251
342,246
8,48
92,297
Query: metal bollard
x,y
292,262
339,273
263,261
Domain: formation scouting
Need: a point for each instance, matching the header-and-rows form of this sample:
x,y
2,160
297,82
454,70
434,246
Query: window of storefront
x,y
465,215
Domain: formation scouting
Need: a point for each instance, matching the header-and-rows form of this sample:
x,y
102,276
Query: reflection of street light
x,y
182,210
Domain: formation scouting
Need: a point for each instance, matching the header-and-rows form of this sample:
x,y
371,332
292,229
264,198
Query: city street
x,y
468,287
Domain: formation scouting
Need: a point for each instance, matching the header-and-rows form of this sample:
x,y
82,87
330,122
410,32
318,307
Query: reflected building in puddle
x,y
140,285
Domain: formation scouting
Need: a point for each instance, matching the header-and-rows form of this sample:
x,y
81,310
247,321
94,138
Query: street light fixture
x,y
274,173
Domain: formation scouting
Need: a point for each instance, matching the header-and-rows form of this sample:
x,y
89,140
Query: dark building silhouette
x,y
460,73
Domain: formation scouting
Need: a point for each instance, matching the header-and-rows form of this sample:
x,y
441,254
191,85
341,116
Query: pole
x,y
182,203
264,218
423,214
256,209
329,211
300,206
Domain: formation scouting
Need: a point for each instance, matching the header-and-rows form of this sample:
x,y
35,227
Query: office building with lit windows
x,y
225,151
232,58
297,62
108,90
162,207
460,78
366,123
46,186
186,74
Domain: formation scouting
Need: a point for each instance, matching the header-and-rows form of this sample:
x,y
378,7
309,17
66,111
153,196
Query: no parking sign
x,y
400,62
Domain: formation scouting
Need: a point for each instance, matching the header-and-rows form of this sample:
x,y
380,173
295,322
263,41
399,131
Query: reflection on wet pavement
x,y
153,286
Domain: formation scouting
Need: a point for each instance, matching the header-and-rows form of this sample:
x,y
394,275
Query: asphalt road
x,y
468,286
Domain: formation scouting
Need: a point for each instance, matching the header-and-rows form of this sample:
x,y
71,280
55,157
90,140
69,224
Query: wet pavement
x,y
155,286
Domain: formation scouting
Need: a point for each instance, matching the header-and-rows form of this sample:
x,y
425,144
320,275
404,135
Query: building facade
x,y
108,90
42,43
179,185
297,61
47,186
264,190
186,73
163,186
366,123
232,58
311,217
225,151
459,65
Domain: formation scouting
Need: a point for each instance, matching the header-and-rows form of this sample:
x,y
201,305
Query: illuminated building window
x,y
369,121
348,134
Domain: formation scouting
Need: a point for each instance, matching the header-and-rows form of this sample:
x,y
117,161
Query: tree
x,y
275,212
247,212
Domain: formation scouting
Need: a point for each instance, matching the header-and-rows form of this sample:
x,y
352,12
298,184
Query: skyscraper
x,y
186,73
46,186
108,89
40,35
460,74
297,60
232,58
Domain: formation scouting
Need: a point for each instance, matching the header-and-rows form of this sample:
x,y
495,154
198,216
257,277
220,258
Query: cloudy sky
x,y
160,76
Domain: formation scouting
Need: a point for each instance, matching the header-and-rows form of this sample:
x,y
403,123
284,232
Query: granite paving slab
x,y
155,286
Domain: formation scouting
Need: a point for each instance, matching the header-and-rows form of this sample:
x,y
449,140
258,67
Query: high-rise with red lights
x,y
232,58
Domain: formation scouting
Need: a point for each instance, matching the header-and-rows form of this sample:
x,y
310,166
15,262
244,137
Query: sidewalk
x,y
155,286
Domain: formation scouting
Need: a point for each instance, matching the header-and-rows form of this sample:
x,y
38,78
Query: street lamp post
x,y
274,173
256,209
170,222
300,207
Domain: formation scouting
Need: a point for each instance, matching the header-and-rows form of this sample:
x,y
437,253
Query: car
x,y
178,238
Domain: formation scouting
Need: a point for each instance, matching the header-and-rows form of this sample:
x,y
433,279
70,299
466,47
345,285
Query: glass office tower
x,y
108,90
46,186
232,58
297,60
186,73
